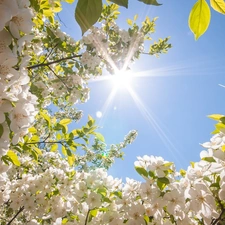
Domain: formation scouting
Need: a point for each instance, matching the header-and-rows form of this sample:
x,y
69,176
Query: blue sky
x,y
177,91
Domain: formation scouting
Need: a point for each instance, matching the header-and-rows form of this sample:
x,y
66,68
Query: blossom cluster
x,y
51,192
17,104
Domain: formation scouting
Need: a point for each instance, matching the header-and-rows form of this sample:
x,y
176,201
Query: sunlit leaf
x,y
46,117
182,172
218,5
129,21
87,13
209,159
71,159
65,121
64,152
150,2
99,136
223,148
32,130
69,1
141,171
215,116
13,156
199,18
35,139
54,147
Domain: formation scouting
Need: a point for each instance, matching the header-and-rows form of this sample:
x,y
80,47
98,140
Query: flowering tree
x,y
41,69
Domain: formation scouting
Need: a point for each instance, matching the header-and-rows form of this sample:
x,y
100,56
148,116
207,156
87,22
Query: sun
x,y
122,79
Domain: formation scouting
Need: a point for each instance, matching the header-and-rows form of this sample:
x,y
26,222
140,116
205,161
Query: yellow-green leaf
x,y
218,5
46,117
135,17
71,159
99,136
129,21
215,116
69,1
54,147
223,148
64,152
32,130
34,138
65,121
199,18
13,156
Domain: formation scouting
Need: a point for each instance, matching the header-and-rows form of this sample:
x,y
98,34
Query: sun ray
x,y
152,121
105,109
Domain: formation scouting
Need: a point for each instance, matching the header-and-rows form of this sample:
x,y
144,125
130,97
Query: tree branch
x,y
48,142
68,89
215,221
53,62
86,220
19,211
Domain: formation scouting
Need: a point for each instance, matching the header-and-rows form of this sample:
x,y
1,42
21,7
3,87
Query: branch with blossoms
x,y
53,62
14,217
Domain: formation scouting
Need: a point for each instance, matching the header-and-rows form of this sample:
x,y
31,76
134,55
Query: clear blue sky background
x,y
178,91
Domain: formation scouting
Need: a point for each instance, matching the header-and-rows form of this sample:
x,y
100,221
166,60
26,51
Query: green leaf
x,y
99,136
91,121
1,130
199,18
46,117
215,116
12,155
222,119
209,159
150,2
216,185
121,2
118,194
87,13
65,121
146,218
160,185
163,180
141,171
218,5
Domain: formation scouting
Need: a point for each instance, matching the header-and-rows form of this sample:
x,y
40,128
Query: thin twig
x,y
59,78
53,62
50,52
215,221
61,20
86,220
19,211
48,142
